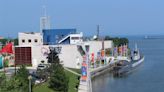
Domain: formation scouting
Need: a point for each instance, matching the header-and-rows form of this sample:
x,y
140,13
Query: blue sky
x,y
115,17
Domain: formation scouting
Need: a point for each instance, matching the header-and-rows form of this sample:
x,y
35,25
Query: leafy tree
x,y
22,77
3,41
107,38
117,41
9,85
2,82
58,79
13,85
17,83
15,41
120,41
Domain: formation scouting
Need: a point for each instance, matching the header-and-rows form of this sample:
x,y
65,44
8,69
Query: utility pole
x,y
98,32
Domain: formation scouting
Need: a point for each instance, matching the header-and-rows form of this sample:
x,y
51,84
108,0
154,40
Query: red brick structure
x,y
23,56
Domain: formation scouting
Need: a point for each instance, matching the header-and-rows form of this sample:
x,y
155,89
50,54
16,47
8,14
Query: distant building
x,y
30,38
61,36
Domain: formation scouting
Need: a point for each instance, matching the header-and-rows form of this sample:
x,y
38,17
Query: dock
x,y
83,86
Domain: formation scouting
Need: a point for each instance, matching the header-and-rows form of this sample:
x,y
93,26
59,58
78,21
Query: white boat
x,y
136,57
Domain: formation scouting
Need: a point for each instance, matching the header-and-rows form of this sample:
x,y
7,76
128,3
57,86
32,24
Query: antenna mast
x,y
98,32
44,20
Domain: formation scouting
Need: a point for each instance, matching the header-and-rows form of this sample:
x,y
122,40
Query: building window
x,y
23,41
35,40
29,40
75,38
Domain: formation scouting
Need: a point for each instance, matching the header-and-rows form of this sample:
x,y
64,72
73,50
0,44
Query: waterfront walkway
x,y
72,71
83,86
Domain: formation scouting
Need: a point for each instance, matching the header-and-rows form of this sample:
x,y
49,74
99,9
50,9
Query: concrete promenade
x,y
83,86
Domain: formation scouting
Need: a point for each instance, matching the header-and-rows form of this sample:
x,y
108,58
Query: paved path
x,y
11,70
72,71
83,86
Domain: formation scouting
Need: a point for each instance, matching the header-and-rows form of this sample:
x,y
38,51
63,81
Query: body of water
x,y
149,77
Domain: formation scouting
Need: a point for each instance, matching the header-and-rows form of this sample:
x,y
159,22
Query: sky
x,y
115,17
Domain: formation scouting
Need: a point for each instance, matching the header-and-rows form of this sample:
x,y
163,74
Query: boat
x,y
124,66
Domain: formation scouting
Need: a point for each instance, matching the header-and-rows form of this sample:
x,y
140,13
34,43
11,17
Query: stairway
x,y
64,38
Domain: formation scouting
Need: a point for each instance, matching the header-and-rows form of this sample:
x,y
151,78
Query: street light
x,y
30,78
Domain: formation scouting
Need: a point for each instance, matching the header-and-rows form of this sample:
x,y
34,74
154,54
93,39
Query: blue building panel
x,y
52,36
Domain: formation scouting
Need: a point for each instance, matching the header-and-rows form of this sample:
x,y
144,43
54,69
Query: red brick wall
x,y
23,55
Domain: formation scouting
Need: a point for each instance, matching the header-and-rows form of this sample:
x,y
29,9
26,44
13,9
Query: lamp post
x,y
30,78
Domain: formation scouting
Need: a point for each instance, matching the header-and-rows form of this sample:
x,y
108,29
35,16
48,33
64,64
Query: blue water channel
x,y
149,77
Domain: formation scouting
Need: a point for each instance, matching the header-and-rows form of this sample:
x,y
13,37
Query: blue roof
x,y
52,36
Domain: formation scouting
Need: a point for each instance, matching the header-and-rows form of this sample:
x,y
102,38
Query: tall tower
x,y
44,21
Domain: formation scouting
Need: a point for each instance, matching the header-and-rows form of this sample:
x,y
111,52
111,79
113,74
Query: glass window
x,y
36,40
23,41
29,40
75,38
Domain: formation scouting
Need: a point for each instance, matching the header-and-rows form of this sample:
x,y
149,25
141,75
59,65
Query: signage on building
x,y
44,51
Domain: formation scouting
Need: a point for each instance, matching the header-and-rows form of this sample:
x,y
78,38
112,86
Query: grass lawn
x,y
42,88
72,83
76,70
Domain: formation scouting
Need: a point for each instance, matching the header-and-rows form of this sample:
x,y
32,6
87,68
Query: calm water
x,y
149,77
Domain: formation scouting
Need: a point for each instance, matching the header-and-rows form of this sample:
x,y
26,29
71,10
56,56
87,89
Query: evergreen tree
x,y
22,77
2,82
18,83
53,57
58,79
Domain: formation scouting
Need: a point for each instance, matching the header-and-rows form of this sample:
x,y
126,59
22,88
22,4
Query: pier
x,y
84,85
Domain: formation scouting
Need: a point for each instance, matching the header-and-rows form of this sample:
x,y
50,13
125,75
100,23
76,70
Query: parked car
x,y
42,66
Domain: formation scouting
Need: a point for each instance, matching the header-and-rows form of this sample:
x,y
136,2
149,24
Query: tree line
x,y
117,41
5,40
